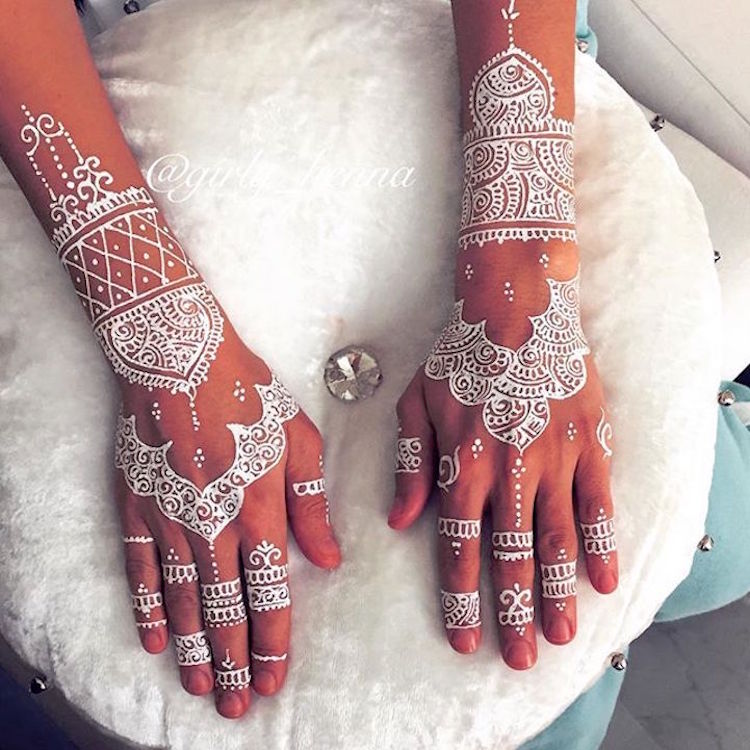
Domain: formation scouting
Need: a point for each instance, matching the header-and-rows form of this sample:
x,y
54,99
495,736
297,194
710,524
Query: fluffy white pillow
x,y
303,266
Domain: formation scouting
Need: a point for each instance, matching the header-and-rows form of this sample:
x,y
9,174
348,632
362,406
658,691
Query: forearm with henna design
x,y
213,455
509,398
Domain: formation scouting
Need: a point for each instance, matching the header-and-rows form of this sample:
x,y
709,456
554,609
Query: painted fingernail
x,y
464,641
230,705
265,682
198,682
559,630
606,582
520,655
154,640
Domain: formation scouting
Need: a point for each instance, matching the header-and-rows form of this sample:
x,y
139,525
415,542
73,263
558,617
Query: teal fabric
x,y
583,30
584,723
716,579
722,575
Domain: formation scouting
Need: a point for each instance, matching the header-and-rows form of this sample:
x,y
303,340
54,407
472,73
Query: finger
x,y
307,503
459,542
144,577
183,603
513,563
596,518
267,581
557,550
225,619
415,457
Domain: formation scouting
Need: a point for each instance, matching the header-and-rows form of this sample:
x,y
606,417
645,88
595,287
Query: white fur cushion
x,y
303,268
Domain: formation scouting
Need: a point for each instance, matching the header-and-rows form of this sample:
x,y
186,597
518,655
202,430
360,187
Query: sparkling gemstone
x,y
727,398
619,662
658,122
352,373
706,543
582,45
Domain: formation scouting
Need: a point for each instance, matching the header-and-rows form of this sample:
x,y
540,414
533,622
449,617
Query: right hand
x,y
204,493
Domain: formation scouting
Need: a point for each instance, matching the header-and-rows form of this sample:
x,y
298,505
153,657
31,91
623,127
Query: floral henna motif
x,y
518,157
266,579
156,320
192,649
515,608
408,459
515,387
460,610
258,448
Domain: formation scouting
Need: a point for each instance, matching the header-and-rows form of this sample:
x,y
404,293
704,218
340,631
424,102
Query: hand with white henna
x,y
507,414
213,456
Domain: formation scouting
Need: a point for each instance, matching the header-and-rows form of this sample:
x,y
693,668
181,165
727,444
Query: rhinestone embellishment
x,y
352,374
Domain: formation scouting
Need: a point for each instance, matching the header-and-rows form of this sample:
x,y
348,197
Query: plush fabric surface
x,y
304,266
722,575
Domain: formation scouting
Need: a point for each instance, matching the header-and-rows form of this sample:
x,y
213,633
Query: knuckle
x,y
182,598
592,507
139,570
552,540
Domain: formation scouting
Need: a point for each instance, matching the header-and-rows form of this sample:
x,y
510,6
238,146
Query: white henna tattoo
x,y
157,322
192,649
599,538
460,610
512,546
515,607
448,470
223,605
459,528
558,580
517,471
476,447
258,448
604,435
138,539
149,625
144,602
408,459
230,677
518,157
266,578
177,574
311,487
514,387
268,657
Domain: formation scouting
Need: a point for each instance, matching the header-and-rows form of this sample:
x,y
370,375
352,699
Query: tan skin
x,y
563,476
64,81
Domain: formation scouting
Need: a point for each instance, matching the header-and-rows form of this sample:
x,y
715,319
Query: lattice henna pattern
x,y
460,610
514,387
518,157
258,448
192,649
156,320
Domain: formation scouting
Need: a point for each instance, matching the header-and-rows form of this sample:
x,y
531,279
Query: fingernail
x,y
520,655
230,705
198,682
265,682
154,640
559,630
464,641
606,582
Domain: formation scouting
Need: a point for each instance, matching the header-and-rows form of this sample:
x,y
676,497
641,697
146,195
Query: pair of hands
x,y
198,536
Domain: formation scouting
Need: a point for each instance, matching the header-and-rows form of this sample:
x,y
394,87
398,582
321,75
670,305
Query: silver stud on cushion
x,y
658,122
726,397
706,544
619,662
582,45
38,684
